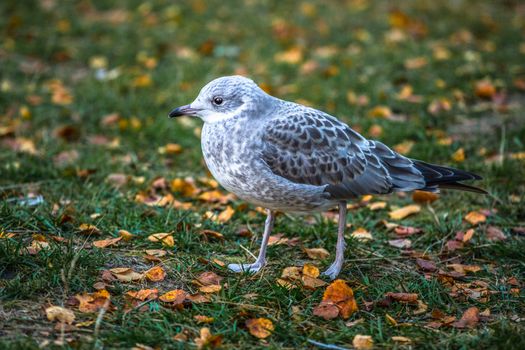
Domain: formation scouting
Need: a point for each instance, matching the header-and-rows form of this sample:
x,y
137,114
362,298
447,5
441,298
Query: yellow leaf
x,y
126,236
293,55
225,215
60,314
155,274
203,319
401,339
362,234
164,238
212,288
142,81
424,197
143,294
310,270
176,296
184,186
88,229
403,212
260,327
459,155
380,112
362,342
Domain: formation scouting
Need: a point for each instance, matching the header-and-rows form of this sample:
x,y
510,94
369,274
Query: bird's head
x,y
224,98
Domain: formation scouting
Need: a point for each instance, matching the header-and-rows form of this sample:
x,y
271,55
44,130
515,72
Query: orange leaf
x,y
310,270
125,235
203,319
403,212
475,217
143,294
341,295
207,340
212,288
424,197
103,243
469,319
176,296
404,297
155,274
260,327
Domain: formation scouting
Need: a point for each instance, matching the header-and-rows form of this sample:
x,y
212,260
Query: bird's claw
x,y
332,272
250,268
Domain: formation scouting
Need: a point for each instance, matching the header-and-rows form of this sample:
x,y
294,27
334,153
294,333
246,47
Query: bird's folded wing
x,y
314,148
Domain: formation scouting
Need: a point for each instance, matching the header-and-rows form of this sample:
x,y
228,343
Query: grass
x,y
140,59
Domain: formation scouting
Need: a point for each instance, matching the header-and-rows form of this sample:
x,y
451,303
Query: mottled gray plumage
x,y
288,157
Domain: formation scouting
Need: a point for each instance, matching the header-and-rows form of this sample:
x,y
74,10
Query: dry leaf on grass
x,y
60,314
208,282
423,197
401,339
203,319
469,319
362,342
362,234
155,274
475,217
426,265
402,243
208,340
88,229
403,297
176,296
103,243
143,294
403,212
405,231
260,327
495,234
126,274
125,235
164,238
317,253
212,234
93,302
338,299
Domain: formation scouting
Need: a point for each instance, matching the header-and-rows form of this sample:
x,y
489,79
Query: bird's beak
x,y
183,110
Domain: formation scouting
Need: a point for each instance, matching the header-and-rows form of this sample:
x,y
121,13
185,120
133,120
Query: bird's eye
x,y
217,100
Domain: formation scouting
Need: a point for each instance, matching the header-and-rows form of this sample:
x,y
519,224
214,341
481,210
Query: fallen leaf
x,y
495,234
207,340
463,269
403,212
203,319
212,234
225,215
292,273
391,320
106,242
401,339
212,288
260,327
426,265
453,245
310,271
126,236
176,296
363,342
311,282
209,278
424,197
339,297
406,231
164,238
467,236
317,253
60,314
459,155
403,297
377,206
362,234
484,89
155,274
88,229
93,302
143,294
469,319
402,243
475,217
126,274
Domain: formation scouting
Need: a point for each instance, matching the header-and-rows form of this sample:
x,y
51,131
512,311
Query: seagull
x,y
287,157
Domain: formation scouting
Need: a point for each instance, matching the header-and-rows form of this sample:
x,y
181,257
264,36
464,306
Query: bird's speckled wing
x,y
311,147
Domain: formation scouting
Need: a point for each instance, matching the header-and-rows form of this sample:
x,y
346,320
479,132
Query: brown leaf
x,y
423,197
469,319
495,234
212,288
363,342
400,243
317,253
106,242
403,297
126,236
453,245
209,278
362,234
260,327
484,89
426,265
60,314
403,212
401,339
312,282
126,274
93,302
155,274
212,234
404,231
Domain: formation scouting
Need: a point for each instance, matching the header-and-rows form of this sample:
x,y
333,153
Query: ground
x,y
85,140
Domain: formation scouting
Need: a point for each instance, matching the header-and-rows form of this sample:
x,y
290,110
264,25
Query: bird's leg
x,y
261,259
336,266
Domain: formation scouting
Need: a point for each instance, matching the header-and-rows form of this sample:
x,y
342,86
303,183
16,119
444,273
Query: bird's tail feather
x,y
437,176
